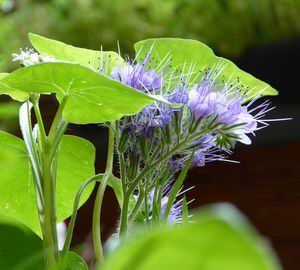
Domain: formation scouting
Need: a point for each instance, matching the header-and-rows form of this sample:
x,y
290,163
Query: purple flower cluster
x,y
212,118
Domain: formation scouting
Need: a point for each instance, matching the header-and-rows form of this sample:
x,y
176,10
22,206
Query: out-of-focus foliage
x,y
228,26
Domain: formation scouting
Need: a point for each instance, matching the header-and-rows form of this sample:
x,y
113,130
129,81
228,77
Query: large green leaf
x,y
20,248
63,52
2,75
75,165
91,97
218,239
185,53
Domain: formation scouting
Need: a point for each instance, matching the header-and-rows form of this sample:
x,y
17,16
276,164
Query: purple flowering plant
x,y
173,107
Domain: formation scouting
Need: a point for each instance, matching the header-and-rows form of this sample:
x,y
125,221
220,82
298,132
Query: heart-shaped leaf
x,y
75,165
99,60
219,238
182,54
91,97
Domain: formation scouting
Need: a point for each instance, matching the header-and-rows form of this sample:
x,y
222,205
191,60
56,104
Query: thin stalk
x,y
124,214
137,205
57,119
63,261
50,145
49,224
146,204
99,199
151,166
122,172
39,119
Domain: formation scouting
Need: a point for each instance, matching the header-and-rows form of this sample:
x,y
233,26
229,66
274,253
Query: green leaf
x,y
185,53
75,262
9,110
75,165
91,97
2,75
218,239
13,93
64,52
20,248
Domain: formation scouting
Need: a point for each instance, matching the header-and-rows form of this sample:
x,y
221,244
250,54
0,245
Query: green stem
x,y
124,213
39,119
57,119
99,199
50,146
49,224
149,167
137,205
67,243
170,152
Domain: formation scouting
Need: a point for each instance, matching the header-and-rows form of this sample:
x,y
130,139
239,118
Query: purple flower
x,y
137,77
207,99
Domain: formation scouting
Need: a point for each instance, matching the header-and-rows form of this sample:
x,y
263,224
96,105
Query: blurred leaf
x,y
98,60
185,53
75,262
91,97
20,248
2,75
75,165
9,110
218,239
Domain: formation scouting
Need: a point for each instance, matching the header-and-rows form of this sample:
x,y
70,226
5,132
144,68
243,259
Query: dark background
x,y
261,37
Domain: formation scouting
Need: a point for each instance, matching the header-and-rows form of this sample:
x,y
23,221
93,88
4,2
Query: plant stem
x,y
57,119
99,199
49,224
50,145
63,260
39,119
124,214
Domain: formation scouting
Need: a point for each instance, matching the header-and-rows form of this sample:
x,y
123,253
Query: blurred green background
x,y
228,26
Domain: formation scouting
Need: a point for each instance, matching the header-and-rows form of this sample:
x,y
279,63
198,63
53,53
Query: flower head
x,y
29,57
225,105
136,76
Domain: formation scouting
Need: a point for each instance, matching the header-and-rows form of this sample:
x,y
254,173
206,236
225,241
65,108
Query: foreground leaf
x,y
186,53
218,239
75,262
63,52
20,248
75,165
91,97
